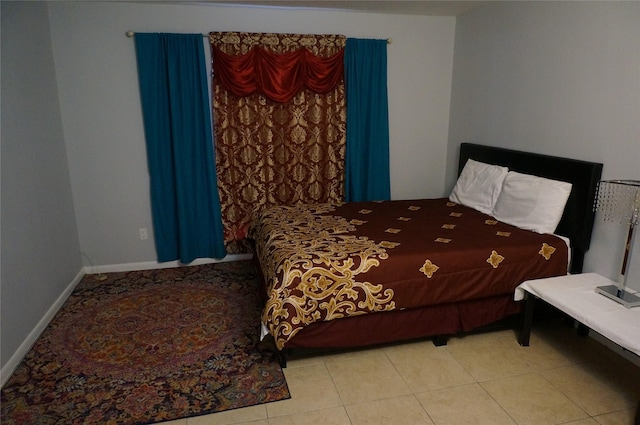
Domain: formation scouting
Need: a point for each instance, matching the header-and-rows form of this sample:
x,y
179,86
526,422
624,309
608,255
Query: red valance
x,y
279,77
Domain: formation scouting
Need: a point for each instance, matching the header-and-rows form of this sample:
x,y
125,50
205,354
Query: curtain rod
x,y
130,34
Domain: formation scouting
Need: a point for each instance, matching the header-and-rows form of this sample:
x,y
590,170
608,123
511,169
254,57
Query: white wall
x,y
560,78
97,80
40,248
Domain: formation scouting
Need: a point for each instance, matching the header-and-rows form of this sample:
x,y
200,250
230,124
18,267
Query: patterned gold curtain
x,y
270,153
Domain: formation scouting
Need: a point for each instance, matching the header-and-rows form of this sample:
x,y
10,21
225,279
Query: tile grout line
x,y
413,393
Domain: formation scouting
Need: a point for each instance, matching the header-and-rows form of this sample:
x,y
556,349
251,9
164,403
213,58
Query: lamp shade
x,y
619,201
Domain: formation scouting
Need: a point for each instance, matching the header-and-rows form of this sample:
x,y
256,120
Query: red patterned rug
x,y
148,346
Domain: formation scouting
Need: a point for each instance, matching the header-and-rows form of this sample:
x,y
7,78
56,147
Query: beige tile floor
x,y
487,378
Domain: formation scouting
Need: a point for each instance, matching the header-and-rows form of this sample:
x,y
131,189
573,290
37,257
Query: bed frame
x,y
440,321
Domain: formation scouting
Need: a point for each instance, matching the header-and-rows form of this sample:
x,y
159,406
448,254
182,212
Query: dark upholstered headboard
x,y
578,217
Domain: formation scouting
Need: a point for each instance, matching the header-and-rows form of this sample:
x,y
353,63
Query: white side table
x,y
575,295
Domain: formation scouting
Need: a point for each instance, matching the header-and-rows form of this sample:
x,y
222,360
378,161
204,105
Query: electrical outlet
x,y
143,234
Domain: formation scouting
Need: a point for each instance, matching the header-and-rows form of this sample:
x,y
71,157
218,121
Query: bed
x,y
368,273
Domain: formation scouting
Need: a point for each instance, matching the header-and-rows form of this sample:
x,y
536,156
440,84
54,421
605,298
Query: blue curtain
x,y
367,150
177,122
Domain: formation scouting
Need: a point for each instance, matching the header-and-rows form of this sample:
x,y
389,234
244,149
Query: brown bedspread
x,y
325,262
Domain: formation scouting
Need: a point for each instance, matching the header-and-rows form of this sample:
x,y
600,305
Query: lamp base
x,y
621,296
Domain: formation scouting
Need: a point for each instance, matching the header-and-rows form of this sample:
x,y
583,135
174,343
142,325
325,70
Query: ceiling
x,y
416,7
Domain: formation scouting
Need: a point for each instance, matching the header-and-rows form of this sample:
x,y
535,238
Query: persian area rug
x,y
149,346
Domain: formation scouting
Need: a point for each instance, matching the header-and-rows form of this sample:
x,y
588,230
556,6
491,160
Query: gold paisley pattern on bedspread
x,y
495,259
546,251
304,288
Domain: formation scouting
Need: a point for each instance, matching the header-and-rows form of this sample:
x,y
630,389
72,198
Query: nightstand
x,y
575,295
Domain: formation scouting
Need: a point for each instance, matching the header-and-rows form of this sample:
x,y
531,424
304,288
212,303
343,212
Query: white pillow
x,y
479,186
531,202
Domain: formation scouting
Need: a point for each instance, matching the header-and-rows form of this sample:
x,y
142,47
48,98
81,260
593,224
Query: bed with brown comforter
x,y
366,273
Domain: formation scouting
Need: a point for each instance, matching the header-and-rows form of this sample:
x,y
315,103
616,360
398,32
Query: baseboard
x,y
11,365
149,265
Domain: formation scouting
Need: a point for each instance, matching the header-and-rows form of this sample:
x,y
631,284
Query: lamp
x,y
619,202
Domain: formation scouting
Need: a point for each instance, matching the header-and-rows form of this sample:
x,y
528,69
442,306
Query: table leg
x,y
527,319
583,330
